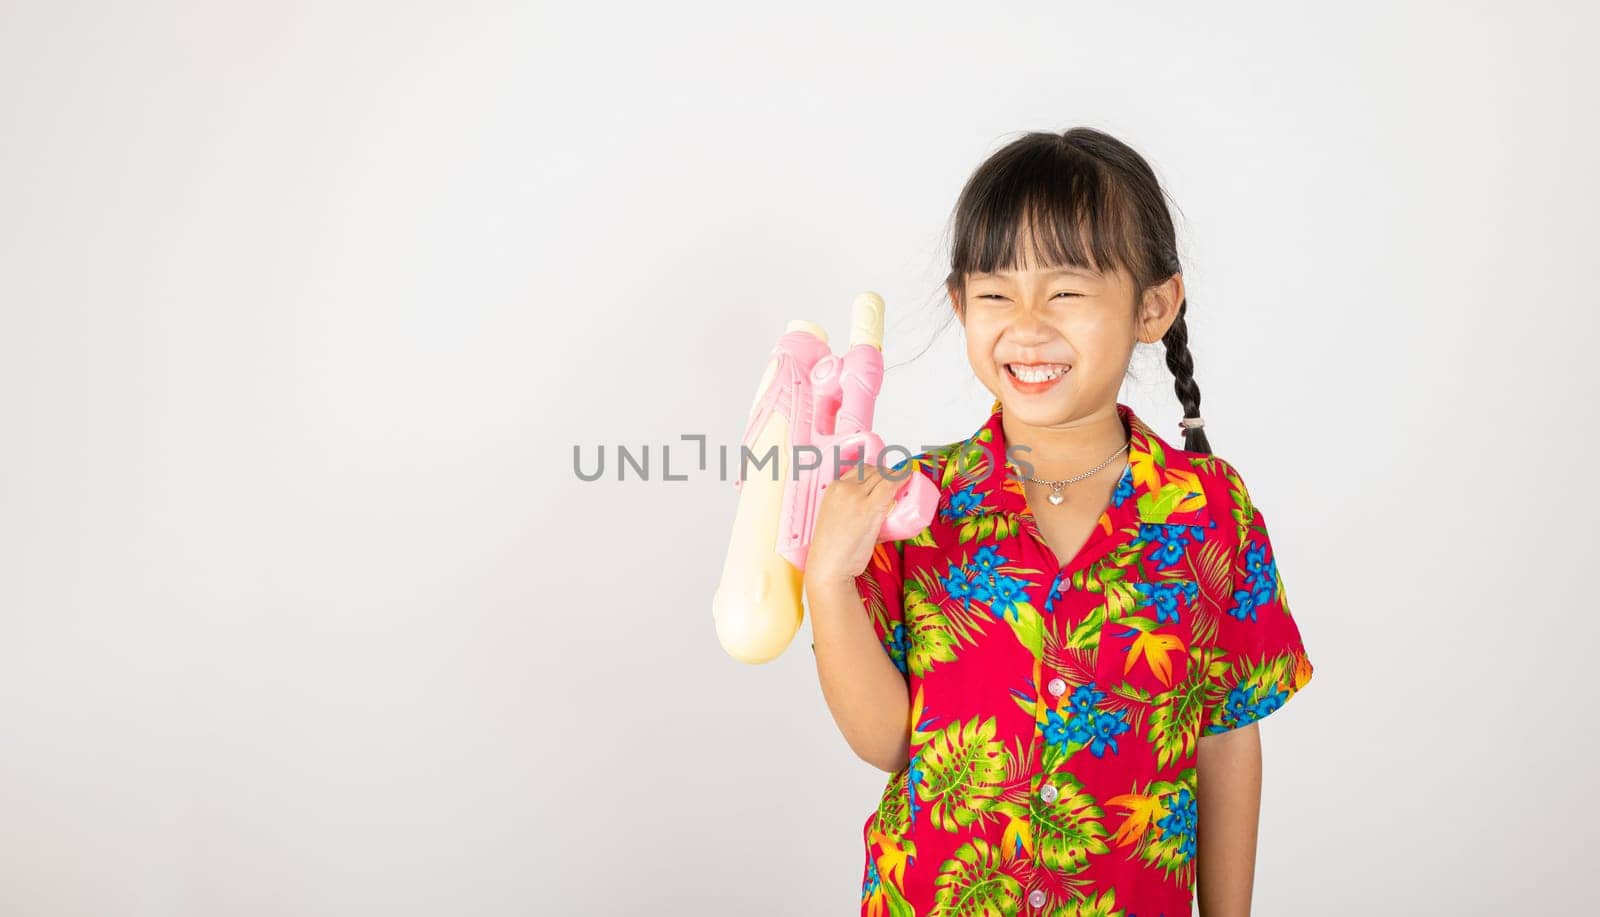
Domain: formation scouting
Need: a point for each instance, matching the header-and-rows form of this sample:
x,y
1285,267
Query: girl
x,y
1066,667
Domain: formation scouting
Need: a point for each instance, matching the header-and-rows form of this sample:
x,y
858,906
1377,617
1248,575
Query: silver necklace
x,y
1056,496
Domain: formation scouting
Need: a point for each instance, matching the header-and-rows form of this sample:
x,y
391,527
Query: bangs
x,y
1044,208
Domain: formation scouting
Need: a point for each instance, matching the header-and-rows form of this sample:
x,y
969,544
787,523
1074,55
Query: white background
x,y
303,308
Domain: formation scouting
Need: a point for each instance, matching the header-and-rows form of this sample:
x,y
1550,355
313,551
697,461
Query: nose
x,y
1028,326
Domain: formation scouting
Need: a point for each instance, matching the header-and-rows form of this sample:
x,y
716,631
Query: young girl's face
x,y
1053,343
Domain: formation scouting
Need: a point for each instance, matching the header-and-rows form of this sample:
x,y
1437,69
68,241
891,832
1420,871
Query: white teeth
x,y
1036,374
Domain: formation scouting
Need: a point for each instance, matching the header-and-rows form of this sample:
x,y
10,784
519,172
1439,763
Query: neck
x,y
1071,447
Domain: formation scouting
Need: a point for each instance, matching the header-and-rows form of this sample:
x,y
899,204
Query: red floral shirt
x,y
1056,712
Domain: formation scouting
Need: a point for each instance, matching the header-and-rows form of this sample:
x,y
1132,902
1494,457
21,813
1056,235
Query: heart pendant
x,y
1057,498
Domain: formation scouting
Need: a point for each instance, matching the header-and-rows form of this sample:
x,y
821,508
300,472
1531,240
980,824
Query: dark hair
x,y
1094,203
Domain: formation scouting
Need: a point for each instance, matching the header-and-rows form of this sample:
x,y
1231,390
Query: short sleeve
x,y
881,589
1257,660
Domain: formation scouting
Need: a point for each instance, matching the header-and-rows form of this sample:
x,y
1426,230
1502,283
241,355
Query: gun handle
x,y
912,510
916,499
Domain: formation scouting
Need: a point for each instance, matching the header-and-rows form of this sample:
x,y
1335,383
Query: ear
x,y
1158,308
953,290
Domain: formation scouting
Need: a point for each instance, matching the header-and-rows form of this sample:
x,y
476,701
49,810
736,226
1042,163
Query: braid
x,y
1182,366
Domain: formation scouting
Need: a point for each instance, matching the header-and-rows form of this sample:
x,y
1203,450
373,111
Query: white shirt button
x,y
1036,897
1057,686
1047,793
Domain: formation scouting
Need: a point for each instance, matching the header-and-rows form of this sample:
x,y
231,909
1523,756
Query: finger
x,y
885,485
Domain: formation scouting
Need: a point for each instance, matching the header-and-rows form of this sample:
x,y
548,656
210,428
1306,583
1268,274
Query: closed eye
x,y
998,296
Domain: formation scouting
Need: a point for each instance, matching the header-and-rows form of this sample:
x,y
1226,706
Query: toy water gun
x,y
807,397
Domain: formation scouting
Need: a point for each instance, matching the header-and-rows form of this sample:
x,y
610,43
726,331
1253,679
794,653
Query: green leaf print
x,y
1102,905
898,905
1086,636
1212,574
1110,571
1209,664
1006,525
894,806
1030,707
970,884
977,528
928,637
1068,831
1056,754
988,526
1175,725
963,770
1029,627
1142,625
1089,580
943,459
1158,506
1157,454
1243,510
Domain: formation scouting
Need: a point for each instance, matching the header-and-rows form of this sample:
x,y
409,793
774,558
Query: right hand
x,y
848,522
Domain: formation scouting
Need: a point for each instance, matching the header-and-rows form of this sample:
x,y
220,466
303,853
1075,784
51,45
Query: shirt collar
x,y
1160,485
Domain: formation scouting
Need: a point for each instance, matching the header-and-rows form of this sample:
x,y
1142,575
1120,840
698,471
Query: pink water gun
x,y
808,398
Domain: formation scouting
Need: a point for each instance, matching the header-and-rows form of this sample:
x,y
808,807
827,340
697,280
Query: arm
x,y
867,695
1228,798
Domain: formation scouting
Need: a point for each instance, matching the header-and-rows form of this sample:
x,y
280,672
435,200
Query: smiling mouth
x,y
1036,372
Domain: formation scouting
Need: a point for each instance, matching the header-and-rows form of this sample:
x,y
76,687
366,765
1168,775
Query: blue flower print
x,y
1170,553
1085,725
958,586
913,777
1244,707
897,646
962,503
1055,730
1241,701
1056,585
1255,559
1165,597
987,559
1124,487
1262,578
1266,583
1004,595
1098,728
1155,593
1181,821
983,588
1170,536
1268,703
1085,697
1263,573
872,881
1267,587
1244,605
